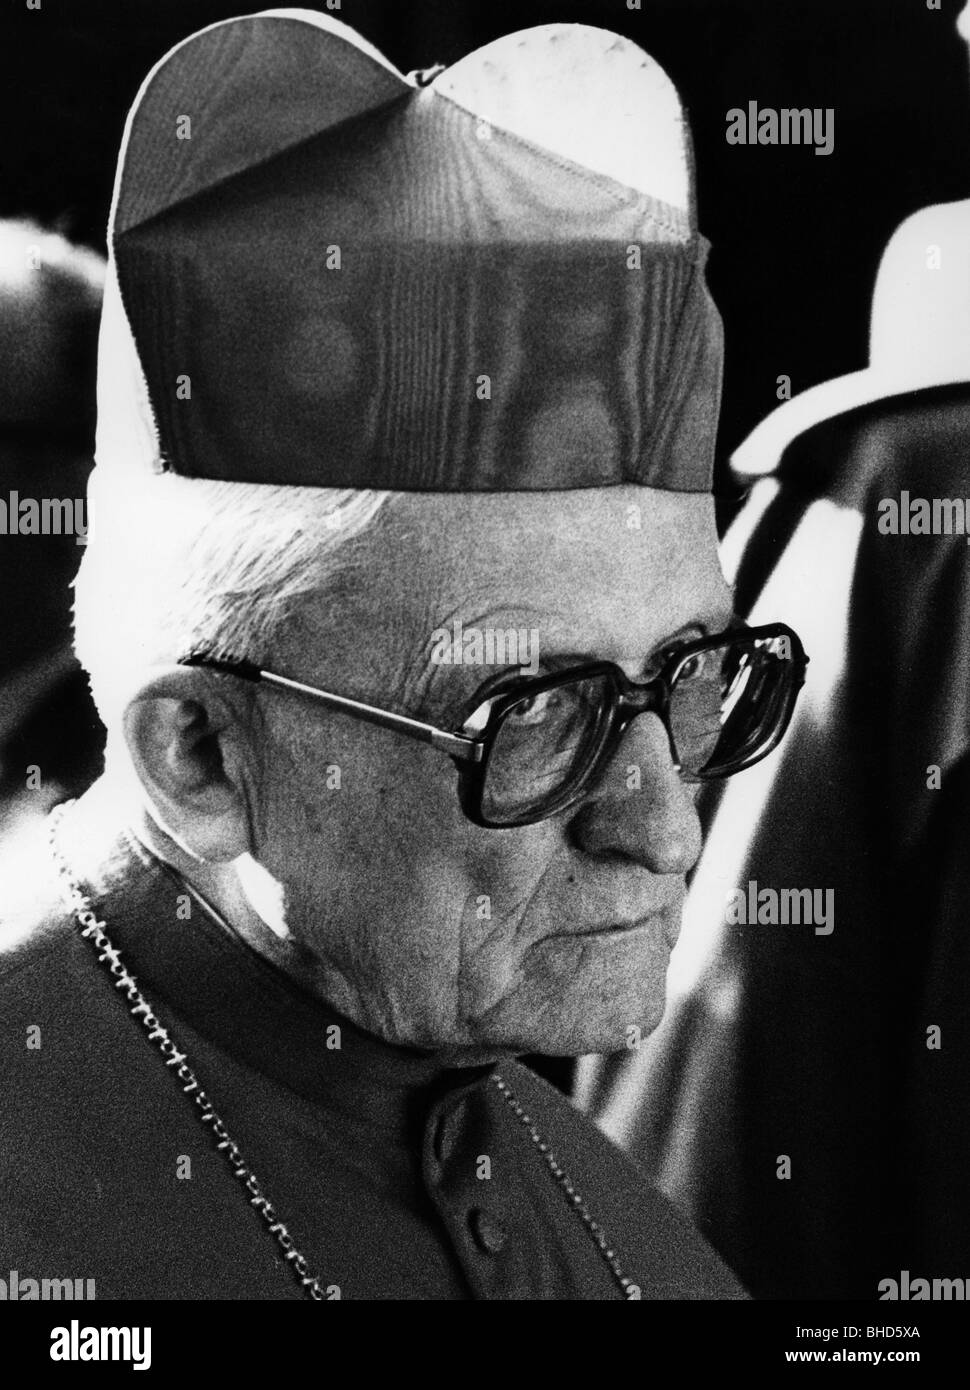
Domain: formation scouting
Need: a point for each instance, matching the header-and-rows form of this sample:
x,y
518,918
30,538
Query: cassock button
x,y
490,1235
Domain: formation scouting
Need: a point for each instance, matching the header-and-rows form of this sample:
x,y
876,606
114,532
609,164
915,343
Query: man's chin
x,y
609,996
618,1027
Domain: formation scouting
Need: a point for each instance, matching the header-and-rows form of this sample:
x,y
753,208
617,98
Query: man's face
x,y
418,925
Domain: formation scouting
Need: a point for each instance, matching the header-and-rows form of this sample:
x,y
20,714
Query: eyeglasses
x,y
535,748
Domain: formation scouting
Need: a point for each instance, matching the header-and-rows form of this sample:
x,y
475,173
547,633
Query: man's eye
x,y
693,667
536,708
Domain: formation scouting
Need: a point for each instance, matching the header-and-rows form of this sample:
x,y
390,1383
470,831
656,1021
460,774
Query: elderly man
x,y
381,358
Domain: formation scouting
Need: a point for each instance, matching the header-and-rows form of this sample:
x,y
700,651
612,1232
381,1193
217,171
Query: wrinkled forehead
x,y
613,570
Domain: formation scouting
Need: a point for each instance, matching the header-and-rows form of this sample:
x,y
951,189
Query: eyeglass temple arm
x,y
457,745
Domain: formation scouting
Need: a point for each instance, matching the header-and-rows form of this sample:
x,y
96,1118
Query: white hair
x,y
176,565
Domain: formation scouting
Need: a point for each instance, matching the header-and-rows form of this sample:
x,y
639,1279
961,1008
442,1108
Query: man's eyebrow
x,y
697,628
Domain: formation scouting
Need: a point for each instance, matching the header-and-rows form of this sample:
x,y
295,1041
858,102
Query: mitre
x,y
484,277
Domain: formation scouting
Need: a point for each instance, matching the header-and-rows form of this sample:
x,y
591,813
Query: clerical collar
x,y
186,956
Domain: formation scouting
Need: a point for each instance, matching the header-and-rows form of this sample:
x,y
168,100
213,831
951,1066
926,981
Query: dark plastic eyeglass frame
x,y
470,751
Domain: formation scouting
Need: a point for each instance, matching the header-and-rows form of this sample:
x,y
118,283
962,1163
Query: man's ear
x,y
189,737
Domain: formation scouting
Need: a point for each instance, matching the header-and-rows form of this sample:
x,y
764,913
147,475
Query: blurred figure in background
x,y
804,1098
50,298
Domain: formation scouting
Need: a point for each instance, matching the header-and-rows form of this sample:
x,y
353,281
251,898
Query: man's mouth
x,y
665,920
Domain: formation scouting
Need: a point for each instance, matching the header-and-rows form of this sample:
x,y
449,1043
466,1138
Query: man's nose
x,y
641,810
